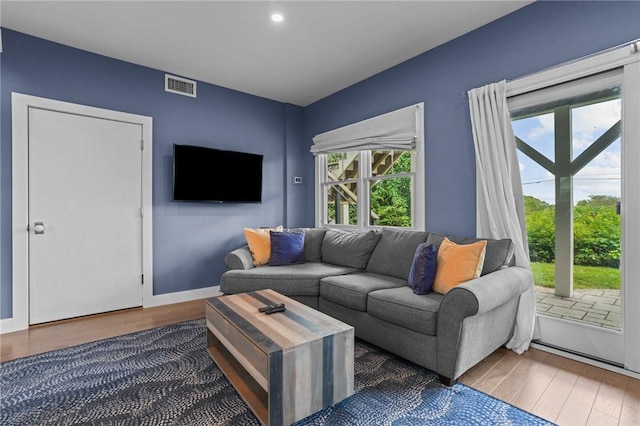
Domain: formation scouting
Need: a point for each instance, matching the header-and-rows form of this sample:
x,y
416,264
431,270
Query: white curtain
x,y
396,130
499,201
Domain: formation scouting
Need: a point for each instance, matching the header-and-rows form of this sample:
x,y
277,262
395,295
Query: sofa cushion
x,y
423,269
401,307
458,263
498,255
312,243
259,243
293,280
352,290
287,248
351,249
394,252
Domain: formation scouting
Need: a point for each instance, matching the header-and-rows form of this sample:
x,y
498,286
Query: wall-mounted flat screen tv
x,y
214,175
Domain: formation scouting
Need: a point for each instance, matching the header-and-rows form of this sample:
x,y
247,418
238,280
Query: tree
x,y
596,231
599,201
541,229
532,204
391,202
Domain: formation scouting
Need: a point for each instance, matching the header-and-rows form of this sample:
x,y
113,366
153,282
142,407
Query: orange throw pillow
x,y
458,264
259,241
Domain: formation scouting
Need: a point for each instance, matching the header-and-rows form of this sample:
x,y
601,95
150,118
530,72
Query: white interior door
x,y
85,226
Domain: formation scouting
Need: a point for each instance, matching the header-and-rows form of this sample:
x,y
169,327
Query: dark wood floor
x,y
558,389
62,334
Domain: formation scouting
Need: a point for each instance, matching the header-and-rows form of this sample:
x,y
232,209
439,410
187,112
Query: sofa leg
x,y
447,381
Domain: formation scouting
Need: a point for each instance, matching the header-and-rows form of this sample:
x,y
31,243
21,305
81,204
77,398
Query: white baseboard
x,y
9,325
181,296
595,363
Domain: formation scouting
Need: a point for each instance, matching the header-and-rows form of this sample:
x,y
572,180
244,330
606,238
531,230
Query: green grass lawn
x,y
584,277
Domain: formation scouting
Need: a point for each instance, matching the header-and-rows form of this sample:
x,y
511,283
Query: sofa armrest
x,y
494,289
239,259
475,297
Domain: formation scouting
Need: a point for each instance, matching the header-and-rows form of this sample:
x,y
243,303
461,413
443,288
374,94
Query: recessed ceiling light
x,y
277,17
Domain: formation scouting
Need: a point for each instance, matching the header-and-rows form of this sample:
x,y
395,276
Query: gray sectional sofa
x,y
361,279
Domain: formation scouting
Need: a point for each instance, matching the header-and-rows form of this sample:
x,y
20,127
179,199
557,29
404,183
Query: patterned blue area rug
x,y
165,376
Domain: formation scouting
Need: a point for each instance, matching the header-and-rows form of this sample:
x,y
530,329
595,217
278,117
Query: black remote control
x,y
276,309
270,307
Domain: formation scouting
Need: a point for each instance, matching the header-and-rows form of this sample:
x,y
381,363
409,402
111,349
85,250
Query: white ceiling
x,y
319,49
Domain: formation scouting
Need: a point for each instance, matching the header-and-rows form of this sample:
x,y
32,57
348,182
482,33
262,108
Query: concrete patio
x,y
600,308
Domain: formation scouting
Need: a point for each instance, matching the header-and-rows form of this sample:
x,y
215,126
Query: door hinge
x,y
142,279
141,144
141,212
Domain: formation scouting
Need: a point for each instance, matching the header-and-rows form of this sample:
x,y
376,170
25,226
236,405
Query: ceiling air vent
x,y
179,85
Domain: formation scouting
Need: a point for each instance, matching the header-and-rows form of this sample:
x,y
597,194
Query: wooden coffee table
x,y
286,365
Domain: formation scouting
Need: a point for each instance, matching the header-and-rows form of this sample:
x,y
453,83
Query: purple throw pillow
x,y
287,248
423,268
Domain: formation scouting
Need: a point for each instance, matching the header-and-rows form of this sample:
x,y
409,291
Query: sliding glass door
x,y
578,162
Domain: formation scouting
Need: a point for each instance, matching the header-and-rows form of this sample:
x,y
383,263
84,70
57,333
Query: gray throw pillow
x,y
350,249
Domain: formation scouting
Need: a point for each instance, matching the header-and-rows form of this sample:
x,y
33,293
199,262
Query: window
x,y
390,188
341,188
377,180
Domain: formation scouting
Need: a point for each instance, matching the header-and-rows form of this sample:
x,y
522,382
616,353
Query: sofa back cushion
x,y
394,253
313,238
498,254
351,249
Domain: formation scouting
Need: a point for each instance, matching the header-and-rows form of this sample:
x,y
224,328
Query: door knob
x,y
38,228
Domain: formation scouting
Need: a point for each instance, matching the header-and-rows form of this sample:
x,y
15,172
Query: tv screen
x,y
207,174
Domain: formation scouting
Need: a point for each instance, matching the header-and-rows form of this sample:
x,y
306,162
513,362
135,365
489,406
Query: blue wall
x,y
295,153
189,239
538,36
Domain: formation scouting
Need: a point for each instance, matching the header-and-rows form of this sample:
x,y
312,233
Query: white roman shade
x,y
396,130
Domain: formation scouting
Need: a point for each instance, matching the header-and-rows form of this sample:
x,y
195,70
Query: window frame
x,y
418,205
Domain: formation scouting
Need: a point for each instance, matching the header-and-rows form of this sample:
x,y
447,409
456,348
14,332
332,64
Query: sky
x,y
602,176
